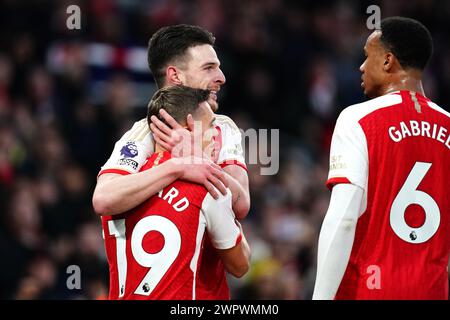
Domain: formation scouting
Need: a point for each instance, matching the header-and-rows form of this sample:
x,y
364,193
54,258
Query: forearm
x,y
117,194
336,240
334,261
238,184
237,259
246,248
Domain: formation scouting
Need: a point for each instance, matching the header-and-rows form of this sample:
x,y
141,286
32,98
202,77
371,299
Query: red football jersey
x,y
155,251
211,277
397,148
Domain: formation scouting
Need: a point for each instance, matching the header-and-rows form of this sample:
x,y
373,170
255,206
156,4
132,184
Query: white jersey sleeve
x,y
348,152
230,139
336,239
221,224
131,151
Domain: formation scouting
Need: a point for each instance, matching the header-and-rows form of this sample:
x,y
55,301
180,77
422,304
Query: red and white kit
x,y
155,251
397,149
130,154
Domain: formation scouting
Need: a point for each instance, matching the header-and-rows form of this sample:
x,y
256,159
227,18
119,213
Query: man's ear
x,y
190,122
389,61
173,76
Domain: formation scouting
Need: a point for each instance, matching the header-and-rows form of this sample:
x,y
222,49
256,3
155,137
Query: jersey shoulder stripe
x,y
434,106
194,265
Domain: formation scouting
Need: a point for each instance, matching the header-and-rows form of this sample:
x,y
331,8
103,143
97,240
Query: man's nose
x,y
220,78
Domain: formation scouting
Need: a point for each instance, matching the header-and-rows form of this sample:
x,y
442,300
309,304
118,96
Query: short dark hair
x,y
171,43
178,101
409,40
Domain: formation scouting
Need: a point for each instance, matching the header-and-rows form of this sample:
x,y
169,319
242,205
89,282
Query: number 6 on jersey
x,y
408,195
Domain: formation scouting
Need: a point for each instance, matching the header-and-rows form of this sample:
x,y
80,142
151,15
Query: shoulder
x,y
437,108
220,118
355,112
195,193
225,122
138,132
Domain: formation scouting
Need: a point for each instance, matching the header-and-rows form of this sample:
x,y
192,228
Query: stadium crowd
x,y
289,65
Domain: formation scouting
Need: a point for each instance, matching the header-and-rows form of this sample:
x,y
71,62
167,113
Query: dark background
x,y
67,95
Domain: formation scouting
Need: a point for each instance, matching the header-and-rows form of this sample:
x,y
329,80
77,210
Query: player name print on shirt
x,y
180,205
414,128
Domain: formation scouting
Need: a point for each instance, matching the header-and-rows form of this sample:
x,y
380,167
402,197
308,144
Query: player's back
x,y
154,251
402,239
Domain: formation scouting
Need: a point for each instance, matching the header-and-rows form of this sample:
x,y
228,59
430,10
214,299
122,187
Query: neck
x,y
405,80
159,148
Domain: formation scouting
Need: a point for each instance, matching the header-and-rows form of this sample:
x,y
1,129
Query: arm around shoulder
x,y
115,193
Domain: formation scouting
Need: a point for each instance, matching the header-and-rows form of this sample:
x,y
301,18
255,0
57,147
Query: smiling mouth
x,y
213,95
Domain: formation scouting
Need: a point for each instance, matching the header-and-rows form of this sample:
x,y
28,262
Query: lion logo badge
x,y
129,150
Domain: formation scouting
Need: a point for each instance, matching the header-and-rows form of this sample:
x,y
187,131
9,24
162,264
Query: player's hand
x,y
173,137
205,172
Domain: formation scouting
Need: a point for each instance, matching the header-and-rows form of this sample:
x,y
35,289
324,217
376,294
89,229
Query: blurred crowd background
x,y
67,95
